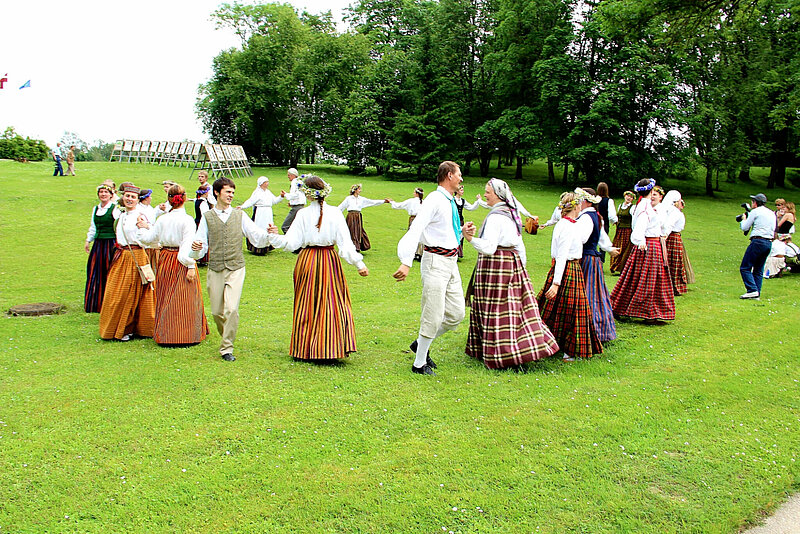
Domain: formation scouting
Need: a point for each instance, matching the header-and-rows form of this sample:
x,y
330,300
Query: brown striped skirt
x,y
128,306
357,233
152,256
568,314
622,241
180,318
644,289
677,271
322,319
505,328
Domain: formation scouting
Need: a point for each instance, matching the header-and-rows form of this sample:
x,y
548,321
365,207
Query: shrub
x,y
14,146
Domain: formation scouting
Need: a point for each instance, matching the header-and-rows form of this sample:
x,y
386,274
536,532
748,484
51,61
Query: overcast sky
x,y
111,70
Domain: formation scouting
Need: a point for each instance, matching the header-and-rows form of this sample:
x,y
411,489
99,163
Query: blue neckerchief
x,y
456,220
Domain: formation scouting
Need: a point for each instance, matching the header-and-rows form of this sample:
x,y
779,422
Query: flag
x,y
26,84
3,80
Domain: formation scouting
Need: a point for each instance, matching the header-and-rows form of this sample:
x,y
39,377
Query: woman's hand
x,y
363,272
551,292
191,274
87,247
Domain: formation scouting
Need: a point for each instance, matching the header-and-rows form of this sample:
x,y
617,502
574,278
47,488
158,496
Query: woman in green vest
x,y
100,245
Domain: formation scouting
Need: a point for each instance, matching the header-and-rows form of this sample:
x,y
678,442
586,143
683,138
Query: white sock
x,y
423,344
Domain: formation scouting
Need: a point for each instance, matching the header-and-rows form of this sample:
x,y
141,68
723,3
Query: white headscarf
x,y
503,192
261,180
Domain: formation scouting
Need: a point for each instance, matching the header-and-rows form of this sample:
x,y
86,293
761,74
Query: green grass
x,y
688,427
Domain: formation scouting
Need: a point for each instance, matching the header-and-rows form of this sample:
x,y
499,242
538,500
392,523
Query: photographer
x,y
760,220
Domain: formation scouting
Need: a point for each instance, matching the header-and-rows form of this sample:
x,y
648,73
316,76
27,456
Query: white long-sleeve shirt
x,y
258,237
567,244
332,231
353,203
612,212
585,228
295,195
127,231
100,212
499,231
646,223
472,207
763,222
412,206
173,229
433,226
674,220
554,218
263,200
482,203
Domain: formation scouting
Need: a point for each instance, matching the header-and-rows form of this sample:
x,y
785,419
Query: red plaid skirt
x,y
677,270
568,314
505,328
644,289
622,241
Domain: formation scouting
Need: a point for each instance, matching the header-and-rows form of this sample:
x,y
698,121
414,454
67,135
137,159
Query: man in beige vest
x,y
220,234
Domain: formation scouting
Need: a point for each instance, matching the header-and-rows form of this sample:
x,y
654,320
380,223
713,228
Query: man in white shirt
x,y
295,197
437,227
220,234
761,224
59,170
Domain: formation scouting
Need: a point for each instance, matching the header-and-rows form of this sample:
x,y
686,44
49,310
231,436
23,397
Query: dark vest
x,y
104,224
624,217
197,213
590,247
602,209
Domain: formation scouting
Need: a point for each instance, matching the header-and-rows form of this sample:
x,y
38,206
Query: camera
x,y
747,208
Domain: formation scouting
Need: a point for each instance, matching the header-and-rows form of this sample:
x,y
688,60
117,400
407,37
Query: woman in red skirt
x,y
180,318
322,318
644,289
562,300
622,237
674,223
505,328
100,245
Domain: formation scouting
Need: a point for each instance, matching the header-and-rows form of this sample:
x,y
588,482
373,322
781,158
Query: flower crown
x,y
570,203
645,188
315,194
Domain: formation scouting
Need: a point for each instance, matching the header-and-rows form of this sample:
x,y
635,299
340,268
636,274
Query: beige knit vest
x,y
224,241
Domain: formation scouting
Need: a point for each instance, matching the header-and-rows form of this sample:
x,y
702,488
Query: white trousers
x,y
442,296
224,293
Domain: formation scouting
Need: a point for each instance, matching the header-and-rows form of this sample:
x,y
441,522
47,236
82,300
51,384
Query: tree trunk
x,y
565,176
467,165
518,173
499,160
744,174
484,162
551,173
731,179
709,181
716,185
575,174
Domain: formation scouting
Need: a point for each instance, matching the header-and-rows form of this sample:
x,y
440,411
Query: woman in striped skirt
x,y
644,289
100,245
622,237
562,300
353,205
505,329
180,318
674,223
128,305
411,206
322,318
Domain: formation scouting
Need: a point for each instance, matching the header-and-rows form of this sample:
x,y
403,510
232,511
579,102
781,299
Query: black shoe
x,y
428,360
228,357
424,370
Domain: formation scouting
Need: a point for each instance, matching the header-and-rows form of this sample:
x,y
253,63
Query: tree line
x,y
611,90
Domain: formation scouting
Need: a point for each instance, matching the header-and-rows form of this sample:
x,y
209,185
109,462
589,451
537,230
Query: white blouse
x,y
358,203
646,223
554,218
674,220
433,226
411,206
263,200
499,231
126,227
173,229
332,231
100,212
567,244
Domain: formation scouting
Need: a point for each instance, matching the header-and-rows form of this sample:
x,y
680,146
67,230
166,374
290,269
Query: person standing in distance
x,y
59,170
295,197
438,228
761,223
220,233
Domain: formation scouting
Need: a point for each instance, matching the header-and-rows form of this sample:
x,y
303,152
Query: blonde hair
x,y
789,207
567,203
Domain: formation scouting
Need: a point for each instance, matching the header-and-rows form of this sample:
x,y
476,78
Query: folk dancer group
x,y
506,328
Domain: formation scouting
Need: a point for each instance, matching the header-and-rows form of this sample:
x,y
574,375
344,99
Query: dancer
x,y
674,223
437,228
590,225
179,318
202,205
353,204
322,317
562,300
412,206
505,329
164,207
100,245
220,233
150,213
128,305
607,211
202,179
295,198
644,289
262,201
622,237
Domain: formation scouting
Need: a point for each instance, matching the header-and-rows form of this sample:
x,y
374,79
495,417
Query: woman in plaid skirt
x,y
505,328
674,223
644,289
622,237
562,300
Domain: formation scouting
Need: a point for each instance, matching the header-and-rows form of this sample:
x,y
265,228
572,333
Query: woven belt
x,y
441,251
121,247
170,248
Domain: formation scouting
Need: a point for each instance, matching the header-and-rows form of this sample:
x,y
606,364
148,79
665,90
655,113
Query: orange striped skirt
x,y
322,320
128,306
180,318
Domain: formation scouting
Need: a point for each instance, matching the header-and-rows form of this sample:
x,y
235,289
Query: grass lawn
x,y
688,427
